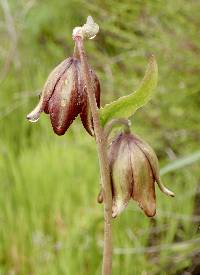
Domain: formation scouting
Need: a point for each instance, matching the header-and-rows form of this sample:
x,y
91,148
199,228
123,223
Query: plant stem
x,y
103,161
116,122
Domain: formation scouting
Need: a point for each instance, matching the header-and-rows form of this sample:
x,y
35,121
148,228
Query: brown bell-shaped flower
x,y
64,96
134,170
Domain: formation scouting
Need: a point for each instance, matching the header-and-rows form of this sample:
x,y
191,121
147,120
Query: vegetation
x,y
50,222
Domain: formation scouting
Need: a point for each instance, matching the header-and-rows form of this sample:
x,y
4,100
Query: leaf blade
x,y
127,105
180,163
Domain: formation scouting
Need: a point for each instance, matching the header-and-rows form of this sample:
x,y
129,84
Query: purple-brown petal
x,y
85,114
46,108
48,89
143,186
64,104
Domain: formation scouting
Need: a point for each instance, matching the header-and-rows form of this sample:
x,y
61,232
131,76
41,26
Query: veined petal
x,y
48,89
150,154
143,187
64,105
153,160
85,114
121,174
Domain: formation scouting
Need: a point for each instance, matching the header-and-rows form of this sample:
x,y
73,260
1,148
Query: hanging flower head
x,y
134,170
64,96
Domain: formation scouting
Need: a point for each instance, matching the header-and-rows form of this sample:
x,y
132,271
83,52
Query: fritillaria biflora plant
x,y
128,166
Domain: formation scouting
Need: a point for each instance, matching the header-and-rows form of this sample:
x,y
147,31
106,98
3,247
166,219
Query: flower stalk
x,y
102,155
126,123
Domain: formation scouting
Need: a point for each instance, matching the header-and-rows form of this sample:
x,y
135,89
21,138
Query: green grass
x,y
50,222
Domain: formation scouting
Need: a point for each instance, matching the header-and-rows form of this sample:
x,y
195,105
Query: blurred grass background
x,y
50,222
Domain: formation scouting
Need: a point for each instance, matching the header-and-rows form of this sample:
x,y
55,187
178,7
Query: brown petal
x,y
143,188
64,105
153,160
121,174
48,89
150,154
46,109
85,114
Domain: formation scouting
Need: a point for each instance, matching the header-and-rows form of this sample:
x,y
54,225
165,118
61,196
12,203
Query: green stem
x,y
115,123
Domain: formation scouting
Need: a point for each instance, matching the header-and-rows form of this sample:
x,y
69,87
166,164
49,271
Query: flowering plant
x,y
128,166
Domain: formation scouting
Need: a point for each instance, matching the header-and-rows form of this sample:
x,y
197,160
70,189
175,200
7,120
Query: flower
x,y
64,97
134,170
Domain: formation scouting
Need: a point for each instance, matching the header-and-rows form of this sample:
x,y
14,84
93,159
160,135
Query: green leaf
x,y
180,163
125,106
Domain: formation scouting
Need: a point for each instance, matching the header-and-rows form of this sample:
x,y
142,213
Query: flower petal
x,y
85,114
153,160
143,187
48,89
121,174
64,105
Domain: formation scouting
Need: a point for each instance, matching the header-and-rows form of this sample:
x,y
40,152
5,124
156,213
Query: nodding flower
x,y
64,97
134,170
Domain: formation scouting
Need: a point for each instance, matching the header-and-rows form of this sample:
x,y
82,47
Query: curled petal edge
x,y
35,114
164,189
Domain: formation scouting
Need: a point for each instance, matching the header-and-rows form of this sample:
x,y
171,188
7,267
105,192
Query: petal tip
x,y
149,210
33,116
150,213
165,190
118,208
171,194
59,131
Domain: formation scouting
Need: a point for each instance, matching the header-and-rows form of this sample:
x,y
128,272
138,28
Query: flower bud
x,y
64,96
134,170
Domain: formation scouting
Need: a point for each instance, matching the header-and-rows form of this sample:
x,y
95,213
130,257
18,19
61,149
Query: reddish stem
x,y
103,160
